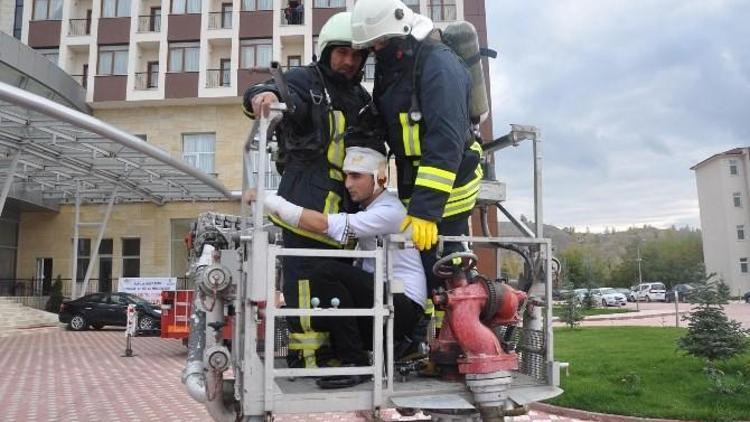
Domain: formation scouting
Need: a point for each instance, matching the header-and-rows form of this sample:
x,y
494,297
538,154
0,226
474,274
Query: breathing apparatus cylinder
x,y
462,38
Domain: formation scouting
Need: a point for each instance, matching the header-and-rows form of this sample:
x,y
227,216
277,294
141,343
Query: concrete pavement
x,y
50,374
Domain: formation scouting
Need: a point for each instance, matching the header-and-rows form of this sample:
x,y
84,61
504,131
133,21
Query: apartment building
x,y
171,72
723,182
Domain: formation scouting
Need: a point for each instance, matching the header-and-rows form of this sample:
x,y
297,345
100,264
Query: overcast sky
x,y
628,95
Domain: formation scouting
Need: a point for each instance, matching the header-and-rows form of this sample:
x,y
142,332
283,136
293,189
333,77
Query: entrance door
x,y
226,15
105,266
88,22
43,275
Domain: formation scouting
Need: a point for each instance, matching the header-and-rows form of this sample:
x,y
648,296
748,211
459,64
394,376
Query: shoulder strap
x,y
415,109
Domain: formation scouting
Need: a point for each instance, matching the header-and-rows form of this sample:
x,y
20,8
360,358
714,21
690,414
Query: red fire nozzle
x,y
472,311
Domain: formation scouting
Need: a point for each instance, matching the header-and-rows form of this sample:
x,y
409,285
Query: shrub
x,y
571,309
55,296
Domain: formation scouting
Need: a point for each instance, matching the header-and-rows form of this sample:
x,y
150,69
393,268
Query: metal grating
x,y
59,153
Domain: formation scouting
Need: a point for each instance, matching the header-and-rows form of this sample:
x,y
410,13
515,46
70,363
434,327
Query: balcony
x,y
149,23
113,31
184,27
145,81
181,85
44,33
216,78
220,20
79,27
292,15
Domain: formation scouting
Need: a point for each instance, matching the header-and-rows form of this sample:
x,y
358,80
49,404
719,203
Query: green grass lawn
x,y
557,310
604,361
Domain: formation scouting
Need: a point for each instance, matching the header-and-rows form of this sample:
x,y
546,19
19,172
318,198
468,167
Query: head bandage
x,y
364,160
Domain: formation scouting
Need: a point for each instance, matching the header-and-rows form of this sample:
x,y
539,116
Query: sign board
x,y
148,288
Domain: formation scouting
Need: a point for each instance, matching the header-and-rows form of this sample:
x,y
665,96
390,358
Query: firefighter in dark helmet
x,y
327,96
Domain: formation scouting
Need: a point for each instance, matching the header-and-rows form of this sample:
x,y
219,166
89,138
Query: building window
x,y
329,4
184,57
47,10
18,19
84,257
442,10
413,5
113,60
741,232
198,150
186,6
115,8
252,5
131,257
255,53
737,198
733,167
743,265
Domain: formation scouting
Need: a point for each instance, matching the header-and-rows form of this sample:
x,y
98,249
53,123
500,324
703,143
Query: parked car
x,y
684,292
746,297
625,292
99,309
607,296
649,292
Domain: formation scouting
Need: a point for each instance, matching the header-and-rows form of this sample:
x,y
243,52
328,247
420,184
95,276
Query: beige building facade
x,y
171,72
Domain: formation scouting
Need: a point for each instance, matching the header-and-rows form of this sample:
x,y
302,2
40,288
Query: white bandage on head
x,y
365,160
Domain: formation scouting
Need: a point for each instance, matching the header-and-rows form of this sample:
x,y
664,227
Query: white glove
x,y
287,211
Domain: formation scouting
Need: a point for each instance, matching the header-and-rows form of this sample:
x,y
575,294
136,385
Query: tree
x,y
571,311
55,296
711,335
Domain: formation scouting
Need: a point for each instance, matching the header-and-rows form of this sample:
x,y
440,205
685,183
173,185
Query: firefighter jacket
x,y
311,139
437,156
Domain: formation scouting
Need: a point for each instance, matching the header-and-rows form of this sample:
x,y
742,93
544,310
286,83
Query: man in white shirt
x,y
381,214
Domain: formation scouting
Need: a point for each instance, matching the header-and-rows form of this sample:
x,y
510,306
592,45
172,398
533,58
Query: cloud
x,y
628,96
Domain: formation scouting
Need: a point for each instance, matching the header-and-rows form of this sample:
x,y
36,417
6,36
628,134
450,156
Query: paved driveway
x,y
664,315
56,375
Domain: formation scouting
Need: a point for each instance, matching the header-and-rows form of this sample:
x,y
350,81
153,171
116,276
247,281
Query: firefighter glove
x,y
424,233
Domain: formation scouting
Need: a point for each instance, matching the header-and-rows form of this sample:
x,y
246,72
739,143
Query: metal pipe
x,y
9,179
58,111
74,264
538,218
99,236
193,375
214,380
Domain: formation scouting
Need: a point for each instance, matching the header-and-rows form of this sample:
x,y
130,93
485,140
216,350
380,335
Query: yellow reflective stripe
x,y
296,230
303,301
331,205
410,136
439,319
406,201
307,341
310,361
435,178
470,188
337,125
476,146
429,308
336,174
461,206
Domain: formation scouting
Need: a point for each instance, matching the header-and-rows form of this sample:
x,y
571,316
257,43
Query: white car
x,y
609,297
650,292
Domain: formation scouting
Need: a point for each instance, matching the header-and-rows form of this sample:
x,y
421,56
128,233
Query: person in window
x,y
327,95
294,13
422,95
380,213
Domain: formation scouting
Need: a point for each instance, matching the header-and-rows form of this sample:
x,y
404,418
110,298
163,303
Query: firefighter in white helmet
x,y
422,94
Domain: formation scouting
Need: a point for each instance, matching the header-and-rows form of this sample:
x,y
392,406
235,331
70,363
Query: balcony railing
x,y
218,78
220,20
143,82
442,12
81,79
293,16
79,27
149,23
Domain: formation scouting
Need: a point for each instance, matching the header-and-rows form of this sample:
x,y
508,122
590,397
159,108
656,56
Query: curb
x,y
592,416
624,316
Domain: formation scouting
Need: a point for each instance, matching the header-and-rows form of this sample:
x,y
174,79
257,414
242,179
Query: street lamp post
x,y
640,277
